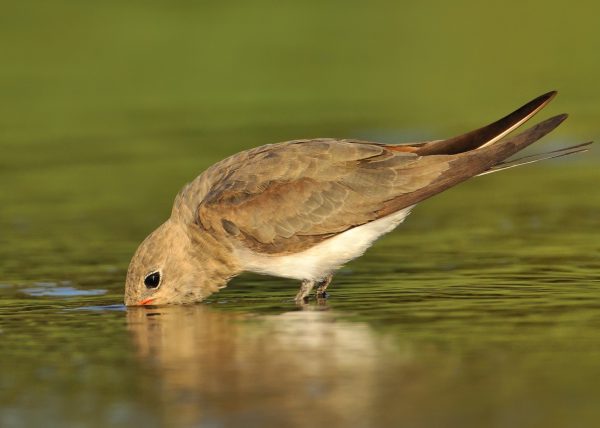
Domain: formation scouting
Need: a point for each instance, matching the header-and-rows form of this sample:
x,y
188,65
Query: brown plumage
x,y
302,208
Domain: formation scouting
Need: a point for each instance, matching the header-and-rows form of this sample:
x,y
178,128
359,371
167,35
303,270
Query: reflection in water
x,y
283,370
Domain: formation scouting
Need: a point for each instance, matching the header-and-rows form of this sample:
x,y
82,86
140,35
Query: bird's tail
x,y
487,135
488,143
486,149
584,147
483,159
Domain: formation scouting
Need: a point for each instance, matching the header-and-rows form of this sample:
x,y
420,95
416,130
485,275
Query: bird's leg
x,y
323,284
305,289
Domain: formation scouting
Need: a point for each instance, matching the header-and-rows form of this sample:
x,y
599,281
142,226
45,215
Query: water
x,y
482,309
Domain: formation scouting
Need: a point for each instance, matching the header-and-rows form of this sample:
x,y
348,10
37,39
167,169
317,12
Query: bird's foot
x,y
323,295
307,286
305,289
323,284
322,298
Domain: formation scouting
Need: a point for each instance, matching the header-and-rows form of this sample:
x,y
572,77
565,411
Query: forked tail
x,y
584,147
483,151
490,146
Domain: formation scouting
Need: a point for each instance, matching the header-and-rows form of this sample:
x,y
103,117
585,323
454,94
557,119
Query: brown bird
x,y
301,209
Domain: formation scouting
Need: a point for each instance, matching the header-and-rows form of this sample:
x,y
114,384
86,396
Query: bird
x,y
301,209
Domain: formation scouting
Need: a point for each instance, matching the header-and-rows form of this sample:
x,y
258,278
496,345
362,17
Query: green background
x,y
481,310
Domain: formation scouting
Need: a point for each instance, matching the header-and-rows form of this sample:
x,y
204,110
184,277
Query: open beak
x,y
147,301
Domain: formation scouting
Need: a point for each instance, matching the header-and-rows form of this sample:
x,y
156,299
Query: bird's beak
x,y
147,301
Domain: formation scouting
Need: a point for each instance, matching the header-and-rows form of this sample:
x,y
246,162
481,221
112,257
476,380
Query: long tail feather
x,y
579,148
463,166
486,135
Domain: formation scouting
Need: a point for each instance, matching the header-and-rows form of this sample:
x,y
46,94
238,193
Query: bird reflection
x,y
276,370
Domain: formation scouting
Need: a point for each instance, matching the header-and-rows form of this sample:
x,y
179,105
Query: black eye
x,y
152,280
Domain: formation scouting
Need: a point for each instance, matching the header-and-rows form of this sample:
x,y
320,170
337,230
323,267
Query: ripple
x,y
50,289
101,308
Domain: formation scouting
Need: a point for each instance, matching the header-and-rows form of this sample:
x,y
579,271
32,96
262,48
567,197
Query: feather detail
x,y
579,148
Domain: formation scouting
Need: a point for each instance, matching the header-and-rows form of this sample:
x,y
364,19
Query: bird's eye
x,y
152,280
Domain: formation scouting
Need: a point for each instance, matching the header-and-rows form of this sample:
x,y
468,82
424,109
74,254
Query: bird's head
x,y
176,264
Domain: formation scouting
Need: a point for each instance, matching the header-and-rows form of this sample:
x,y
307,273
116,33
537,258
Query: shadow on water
x,y
317,366
290,369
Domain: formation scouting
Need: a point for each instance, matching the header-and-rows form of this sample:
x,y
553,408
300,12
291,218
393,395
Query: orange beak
x,y
147,301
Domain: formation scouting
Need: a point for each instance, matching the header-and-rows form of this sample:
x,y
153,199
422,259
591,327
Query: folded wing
x,y
288,197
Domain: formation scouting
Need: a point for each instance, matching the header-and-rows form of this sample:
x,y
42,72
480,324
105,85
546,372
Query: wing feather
x,y
309,192
287,197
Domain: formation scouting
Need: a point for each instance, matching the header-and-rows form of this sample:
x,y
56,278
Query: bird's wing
x,y
287,197
294,195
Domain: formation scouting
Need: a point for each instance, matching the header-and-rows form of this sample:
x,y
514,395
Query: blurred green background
x,y
109,107
113,105
487,315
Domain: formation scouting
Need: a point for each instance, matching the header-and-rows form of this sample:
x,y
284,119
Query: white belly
x,y
324,258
